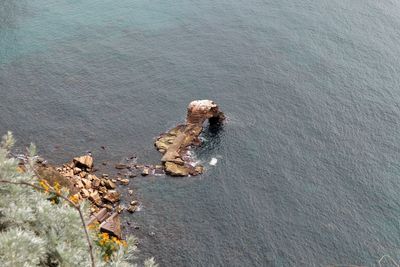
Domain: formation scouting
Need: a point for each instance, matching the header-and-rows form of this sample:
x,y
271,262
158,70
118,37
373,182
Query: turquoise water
x,y
308,170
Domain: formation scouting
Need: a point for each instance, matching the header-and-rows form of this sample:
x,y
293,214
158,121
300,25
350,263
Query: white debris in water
x,y
213,161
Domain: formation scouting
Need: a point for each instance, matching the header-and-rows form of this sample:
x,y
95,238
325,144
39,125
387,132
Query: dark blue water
x,y
308,170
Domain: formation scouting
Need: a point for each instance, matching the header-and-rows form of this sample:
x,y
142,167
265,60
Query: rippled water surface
x,y
308,170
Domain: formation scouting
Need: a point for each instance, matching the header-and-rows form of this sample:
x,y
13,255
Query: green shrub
x,y
37,232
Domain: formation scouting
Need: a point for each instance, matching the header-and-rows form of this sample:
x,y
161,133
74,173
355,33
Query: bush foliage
x,y
37,232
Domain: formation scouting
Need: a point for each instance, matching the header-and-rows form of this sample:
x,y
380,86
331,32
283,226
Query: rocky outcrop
x,y
175,143
79,176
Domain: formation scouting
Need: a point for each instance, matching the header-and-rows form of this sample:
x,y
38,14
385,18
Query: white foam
x,y
213,161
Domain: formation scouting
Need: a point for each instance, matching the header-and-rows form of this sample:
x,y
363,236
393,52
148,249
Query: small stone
x,y
114,180
131,209
103,189
125,181
109,184
104,163
118,178
95,182
104,175
121,166
146,171
120,208
130,192
131,175
85,161
159,171
134,202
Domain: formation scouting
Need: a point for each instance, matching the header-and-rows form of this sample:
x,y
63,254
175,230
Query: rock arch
x,y
175,144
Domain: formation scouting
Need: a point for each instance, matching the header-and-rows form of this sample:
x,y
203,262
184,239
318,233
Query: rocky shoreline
x,y
81,178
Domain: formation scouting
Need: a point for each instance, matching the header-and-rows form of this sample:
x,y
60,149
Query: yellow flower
x,y
105,236
74,198
57,187
43,183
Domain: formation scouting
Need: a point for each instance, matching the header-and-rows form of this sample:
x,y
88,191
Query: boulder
x,y
112,225
95,198
112,196
83,161
174,169
109,184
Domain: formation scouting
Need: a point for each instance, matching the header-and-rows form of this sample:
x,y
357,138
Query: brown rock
x,y
175,143
83,174
112,225
95,198
87,183
108,206
196,170
134,202
125,181
175,169
95,182
99,216
121,166
132,209
146,171
120,208
79,184
103,189
112,196
109,184
76,170
84,161
85,193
